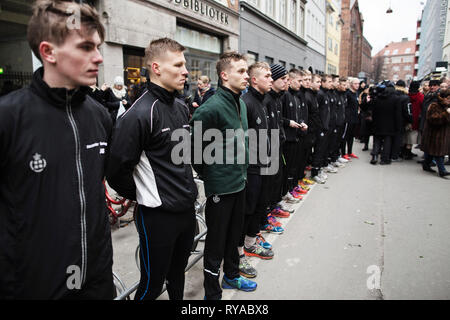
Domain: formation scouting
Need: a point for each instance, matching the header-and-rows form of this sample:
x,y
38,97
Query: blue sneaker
x,y
262,242
240,283
272,229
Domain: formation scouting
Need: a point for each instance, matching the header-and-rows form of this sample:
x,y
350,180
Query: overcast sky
x,y
381,28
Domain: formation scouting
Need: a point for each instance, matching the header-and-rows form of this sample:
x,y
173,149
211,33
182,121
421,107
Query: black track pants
x,y
165,245
224,219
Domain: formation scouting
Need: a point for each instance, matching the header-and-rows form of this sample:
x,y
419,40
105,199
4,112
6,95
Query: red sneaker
x,y
347,157
278,213
353,155
299,190
296,195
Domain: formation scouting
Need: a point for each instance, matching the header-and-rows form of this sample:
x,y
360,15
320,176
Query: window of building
x,y
283,63
269,60
407,68
294,11
336,49
330,44
395,51
396,68
292,66
252,57
270,8
283,12
408,50
387,52
331,19
302,22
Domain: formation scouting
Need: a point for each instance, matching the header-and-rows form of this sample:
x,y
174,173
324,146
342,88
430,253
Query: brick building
x,y
395,61
355,49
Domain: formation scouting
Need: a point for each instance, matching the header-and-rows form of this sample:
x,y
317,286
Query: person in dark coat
x,y
366,119
203,93
351,117
405,120
436,133
386,118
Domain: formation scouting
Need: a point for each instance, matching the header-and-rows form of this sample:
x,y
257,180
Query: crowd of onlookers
x,y
400,117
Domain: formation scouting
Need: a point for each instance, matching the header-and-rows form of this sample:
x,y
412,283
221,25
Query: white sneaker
x,y
284,207
290,199
331,169
318,179
342,160
323,175
338,165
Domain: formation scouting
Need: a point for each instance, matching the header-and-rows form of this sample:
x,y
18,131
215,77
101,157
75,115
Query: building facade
x,y
446,46
316,19
396,61
206,28
334,24
433,26
354,47
274,31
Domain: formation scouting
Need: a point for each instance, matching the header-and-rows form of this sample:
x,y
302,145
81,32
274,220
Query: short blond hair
x,y
159,47
257,65
225,61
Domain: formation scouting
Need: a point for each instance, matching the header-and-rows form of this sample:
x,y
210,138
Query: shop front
x,y
206,28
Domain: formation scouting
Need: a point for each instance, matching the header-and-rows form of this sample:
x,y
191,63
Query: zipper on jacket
x,y
238,109
80,187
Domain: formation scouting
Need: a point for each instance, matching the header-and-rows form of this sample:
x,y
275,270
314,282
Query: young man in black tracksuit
x,y
274,105
251,243
340,120
333,132
321,148
294,120
54,228
351,118
313,123
143,168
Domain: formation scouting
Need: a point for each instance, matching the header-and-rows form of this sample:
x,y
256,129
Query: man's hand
x,y
448,110
195,104
294,124
104,87
303,126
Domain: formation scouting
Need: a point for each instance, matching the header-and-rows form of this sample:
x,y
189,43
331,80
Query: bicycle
x,y
124,205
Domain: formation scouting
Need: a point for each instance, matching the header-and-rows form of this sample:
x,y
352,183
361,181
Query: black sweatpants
x,y
165,246
291,153
276,184
305,149
338,143
349,137
332,141
256,205
319,158
224,219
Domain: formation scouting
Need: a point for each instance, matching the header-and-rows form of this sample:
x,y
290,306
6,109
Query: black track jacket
x,y
141,165
53,217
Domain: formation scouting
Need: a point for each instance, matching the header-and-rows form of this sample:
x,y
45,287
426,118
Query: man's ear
x,y
224,76
47,52
155,68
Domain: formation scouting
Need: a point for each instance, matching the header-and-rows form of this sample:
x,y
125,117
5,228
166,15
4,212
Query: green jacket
x,y
217,115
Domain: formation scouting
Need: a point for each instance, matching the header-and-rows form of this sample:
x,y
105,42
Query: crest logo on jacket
x,y
38,164
258,121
